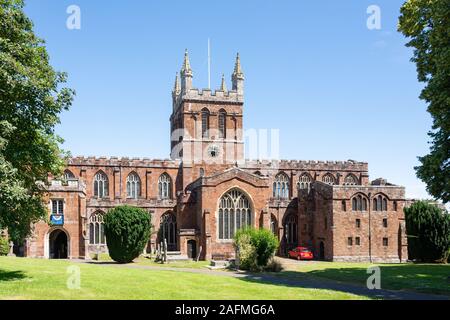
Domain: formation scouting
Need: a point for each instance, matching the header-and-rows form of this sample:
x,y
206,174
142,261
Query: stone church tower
x,y
206,126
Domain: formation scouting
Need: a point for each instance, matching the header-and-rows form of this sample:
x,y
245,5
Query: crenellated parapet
x,y
312,165
123,162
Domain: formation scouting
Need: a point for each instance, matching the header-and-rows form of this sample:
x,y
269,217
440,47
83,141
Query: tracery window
x,y
133,186
281,186
164,186
351,180
235,212
96,228
168,230
101,185
380,203
329,179
359,203
304,183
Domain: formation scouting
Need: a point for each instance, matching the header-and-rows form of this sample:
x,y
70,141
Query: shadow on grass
x,y
11,275
418,277
353,281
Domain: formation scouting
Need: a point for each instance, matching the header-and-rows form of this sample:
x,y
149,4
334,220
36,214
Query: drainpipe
x,y
370,227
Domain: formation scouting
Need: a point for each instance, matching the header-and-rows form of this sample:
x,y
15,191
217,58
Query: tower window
x,y
205,123
358,223
385,223
222,124
385,242
358,241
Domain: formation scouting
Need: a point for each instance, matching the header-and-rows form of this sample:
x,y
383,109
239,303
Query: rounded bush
x,y
256,248
127,231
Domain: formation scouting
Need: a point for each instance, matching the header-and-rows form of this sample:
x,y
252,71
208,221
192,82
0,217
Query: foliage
x,y
428,230
274,266
247,252
127,231
427,24
4,246
256,247
31,99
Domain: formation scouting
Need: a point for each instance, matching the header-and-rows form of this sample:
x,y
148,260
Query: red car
x,y
301,253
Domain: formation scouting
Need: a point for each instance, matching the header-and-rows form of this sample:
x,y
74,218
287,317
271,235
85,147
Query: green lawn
x,y
151,262
24,278
429,278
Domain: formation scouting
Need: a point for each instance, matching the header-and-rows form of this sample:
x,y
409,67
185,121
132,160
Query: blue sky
x,y
334,88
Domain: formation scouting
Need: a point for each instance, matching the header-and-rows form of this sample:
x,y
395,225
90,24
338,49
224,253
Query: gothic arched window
x,y
222,124
205,123
379,203
133,186
168,230
68,175
96,228
281,186
359,203
351,180
234,213
100,185
304,183
165,186
291,225
329,179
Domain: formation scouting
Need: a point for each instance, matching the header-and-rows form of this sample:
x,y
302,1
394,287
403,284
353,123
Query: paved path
x,y
303,281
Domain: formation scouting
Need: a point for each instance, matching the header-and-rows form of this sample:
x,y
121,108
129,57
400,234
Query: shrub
x,y
4,246
127,231
256,248
428,230
247,252
273,266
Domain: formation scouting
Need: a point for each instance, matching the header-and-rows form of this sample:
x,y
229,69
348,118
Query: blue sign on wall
x,y
56,220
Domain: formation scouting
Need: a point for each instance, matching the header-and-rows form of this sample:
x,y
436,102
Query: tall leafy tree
x,y
31,100
427,24
428,229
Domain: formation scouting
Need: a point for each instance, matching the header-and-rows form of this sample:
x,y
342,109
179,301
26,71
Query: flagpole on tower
x,y
209,64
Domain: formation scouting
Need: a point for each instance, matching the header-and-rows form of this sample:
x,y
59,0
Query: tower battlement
x,y
184,91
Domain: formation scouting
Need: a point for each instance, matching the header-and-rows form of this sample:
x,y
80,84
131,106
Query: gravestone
x,y
11,249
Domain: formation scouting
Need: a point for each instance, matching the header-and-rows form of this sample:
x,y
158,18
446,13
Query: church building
x,y
207,190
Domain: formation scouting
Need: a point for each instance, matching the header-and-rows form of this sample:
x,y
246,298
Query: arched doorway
x,y
58,244
321,251
192,249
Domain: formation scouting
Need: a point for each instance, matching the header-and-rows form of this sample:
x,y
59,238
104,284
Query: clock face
x,y
213,151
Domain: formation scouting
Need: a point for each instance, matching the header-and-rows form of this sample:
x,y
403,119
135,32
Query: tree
x,y
127,231
427,24
428,230
31,99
